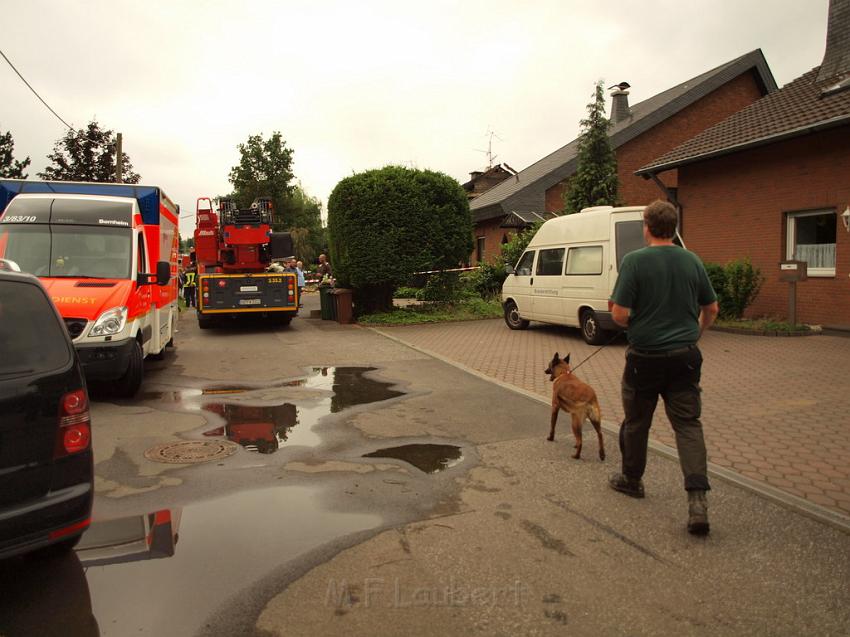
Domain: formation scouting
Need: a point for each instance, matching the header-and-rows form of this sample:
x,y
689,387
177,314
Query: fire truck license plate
x,y
249,301
248,288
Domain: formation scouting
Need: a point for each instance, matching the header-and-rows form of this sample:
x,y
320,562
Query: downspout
x,y
670,195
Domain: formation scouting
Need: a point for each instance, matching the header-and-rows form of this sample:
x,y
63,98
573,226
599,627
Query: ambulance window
x,y
143,263
629,237
550,262
585,260
523,268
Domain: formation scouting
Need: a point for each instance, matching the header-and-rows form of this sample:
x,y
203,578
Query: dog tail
x,y
595,413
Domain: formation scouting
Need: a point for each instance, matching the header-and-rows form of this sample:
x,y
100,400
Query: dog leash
x,y
611,340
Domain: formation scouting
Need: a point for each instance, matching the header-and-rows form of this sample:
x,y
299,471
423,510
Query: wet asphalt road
x,y
297,481
326,513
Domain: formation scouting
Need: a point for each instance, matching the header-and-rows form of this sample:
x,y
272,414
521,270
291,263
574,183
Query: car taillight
x,y
74,433
222,283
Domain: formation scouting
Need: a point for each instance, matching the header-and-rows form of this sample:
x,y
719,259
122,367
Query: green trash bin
x,y
327,303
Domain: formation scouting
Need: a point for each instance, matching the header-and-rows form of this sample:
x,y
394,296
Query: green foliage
x,y
513,249
445,287
717,276
386,224
595,181
486,281
736,284
87,154
405,292
473,309
743,282
265,170
762,326
9,166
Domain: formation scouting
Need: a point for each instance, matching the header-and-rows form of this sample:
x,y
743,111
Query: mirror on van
x,y
163,272
509,269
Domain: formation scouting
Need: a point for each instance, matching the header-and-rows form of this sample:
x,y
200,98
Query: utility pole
x,y
119,155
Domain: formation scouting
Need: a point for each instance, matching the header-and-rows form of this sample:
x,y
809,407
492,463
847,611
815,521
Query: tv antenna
x,y
490,134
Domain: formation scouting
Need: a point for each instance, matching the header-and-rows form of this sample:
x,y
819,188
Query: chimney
x,y
836,59
620,102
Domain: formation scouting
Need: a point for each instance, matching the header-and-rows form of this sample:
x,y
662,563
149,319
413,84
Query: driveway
x,y
774,409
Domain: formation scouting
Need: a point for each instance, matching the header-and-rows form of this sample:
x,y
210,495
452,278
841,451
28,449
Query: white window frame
x,y
791,239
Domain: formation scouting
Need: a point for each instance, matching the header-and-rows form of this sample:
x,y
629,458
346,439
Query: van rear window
x,y
585,260
32,339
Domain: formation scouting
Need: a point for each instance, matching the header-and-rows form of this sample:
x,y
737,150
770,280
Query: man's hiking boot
x,y
697,513
625,484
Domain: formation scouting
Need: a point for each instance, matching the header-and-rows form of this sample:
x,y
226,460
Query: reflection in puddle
x,y
226,545
262,426
425,457
129,539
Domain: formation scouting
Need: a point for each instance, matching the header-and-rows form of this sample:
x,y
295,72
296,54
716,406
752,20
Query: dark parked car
x,y
46,473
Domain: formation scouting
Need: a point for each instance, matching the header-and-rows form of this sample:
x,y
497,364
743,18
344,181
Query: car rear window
x,y
32,339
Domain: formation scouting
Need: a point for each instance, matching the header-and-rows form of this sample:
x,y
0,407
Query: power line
x,y
34,91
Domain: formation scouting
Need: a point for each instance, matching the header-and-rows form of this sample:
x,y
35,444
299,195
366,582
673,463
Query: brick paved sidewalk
x,y
774,409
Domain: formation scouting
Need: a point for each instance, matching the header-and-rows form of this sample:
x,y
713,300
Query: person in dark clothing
x,y
665,299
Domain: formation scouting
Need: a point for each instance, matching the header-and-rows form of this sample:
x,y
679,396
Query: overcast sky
x,y
358,85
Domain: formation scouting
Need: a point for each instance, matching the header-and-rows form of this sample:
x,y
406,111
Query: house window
x,y
550,262
479,249
585,260
811,238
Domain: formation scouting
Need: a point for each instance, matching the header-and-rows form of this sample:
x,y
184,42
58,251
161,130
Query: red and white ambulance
x,y
107,254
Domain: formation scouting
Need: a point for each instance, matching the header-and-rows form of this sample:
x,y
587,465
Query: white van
x,y
568,271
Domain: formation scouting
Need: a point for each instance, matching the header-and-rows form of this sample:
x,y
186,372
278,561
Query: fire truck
x,y
234,251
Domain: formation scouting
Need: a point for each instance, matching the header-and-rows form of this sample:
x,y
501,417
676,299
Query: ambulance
x,y
107,255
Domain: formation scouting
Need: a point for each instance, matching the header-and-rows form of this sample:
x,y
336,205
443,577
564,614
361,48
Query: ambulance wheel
x,y
512,318
129,383
285,320
204,322
590,330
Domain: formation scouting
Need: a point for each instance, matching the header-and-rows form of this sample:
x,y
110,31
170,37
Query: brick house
x,y
772,182
639,133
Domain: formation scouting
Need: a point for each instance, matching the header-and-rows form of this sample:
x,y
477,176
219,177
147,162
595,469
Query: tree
x,y
88,154
264,170
595,181
388,223
9,167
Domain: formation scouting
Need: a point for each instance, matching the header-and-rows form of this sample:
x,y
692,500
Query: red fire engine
x,y
234,250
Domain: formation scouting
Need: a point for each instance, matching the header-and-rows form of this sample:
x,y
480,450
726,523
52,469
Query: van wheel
x,y
590,330
129,383
512,317
204,322
284,320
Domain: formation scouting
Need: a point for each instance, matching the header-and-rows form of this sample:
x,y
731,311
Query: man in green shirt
x,y
664,298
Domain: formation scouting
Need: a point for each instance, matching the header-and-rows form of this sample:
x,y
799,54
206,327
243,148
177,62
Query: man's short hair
x,y
661,219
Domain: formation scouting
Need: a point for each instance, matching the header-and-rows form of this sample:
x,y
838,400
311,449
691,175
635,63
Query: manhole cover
x,y
190,451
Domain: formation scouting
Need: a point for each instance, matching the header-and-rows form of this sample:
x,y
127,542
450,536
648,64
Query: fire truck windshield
x,y
75,251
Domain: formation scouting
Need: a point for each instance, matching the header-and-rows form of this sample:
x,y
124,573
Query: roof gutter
x,y
648,173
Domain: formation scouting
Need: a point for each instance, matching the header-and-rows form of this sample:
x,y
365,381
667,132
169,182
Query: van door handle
x,y
531,281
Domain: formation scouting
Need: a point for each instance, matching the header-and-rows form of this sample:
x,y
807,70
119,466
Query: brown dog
x,y
575,397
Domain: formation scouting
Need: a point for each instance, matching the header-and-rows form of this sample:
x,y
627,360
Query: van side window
x,y
523,267
629,237
585,260
550,262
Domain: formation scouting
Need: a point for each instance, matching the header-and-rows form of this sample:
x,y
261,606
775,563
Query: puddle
x,y
262,426
167,572
425,457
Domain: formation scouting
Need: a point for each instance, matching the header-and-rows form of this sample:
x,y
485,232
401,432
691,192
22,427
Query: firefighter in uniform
x,y
189,287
